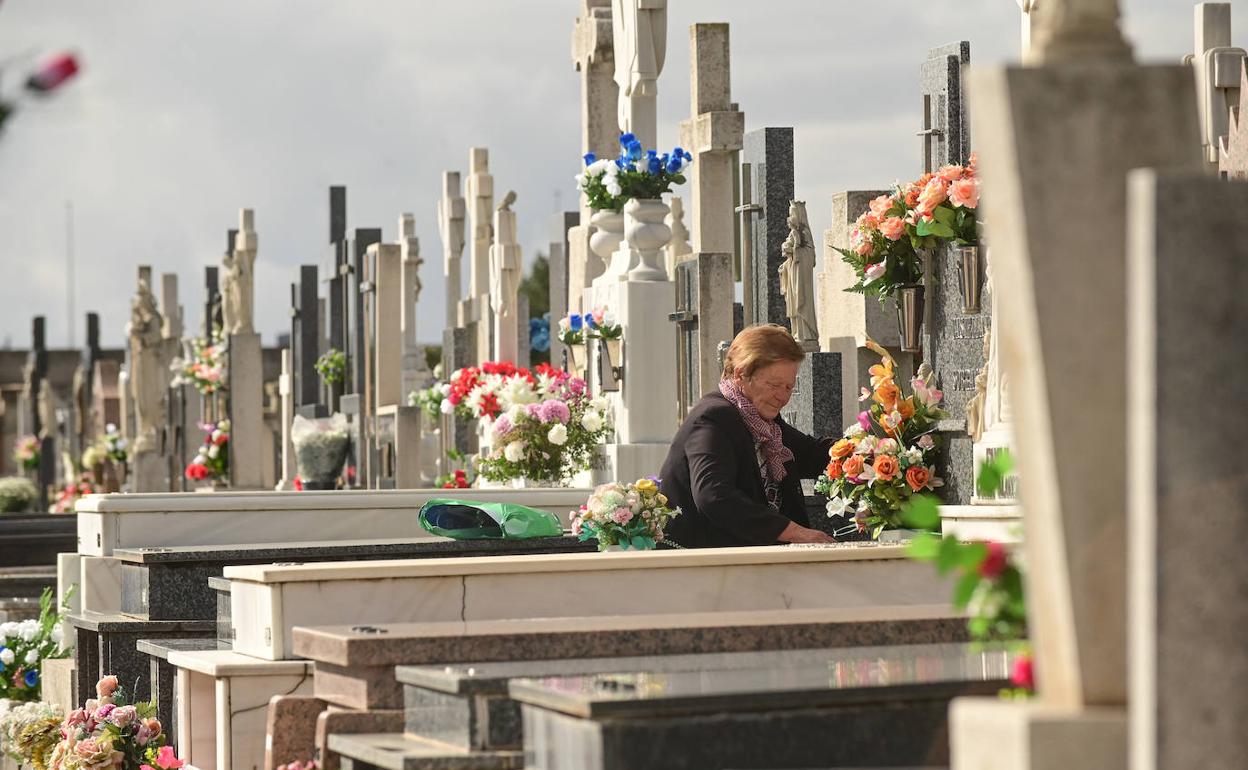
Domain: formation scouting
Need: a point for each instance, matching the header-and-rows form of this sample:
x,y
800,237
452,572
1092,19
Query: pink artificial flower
x,y
873,273
926,442
864,419
965,193
167,759
554,410
106,686
934,194
880,206
926,394
1022,673
863,247
123,715
622,516
864,395
994,562
893,228
951,173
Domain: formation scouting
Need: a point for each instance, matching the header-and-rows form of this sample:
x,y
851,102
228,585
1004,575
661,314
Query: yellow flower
x,y
662,499
646,486
884,370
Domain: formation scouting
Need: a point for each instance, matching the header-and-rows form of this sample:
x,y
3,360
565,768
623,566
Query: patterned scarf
x,y
766,433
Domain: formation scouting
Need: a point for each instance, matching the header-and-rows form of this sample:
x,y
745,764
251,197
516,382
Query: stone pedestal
x,y
991,734
247,429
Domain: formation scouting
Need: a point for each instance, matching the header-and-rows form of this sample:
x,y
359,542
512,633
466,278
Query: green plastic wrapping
x,y
471,520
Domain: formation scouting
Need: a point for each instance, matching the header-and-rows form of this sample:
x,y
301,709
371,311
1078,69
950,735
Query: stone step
x,y
29,581
394,751
34,539
469,706
171,583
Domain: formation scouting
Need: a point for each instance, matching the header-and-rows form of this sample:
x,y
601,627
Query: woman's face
x,y
770,387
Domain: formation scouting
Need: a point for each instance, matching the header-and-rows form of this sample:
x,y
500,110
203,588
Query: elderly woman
x,y
735,467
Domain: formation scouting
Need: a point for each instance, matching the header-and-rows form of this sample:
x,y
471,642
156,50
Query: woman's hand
x,y
796,533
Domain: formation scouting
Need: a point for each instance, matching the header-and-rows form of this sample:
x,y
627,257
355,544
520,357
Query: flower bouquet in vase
x,y
603,326
890,240
624,516
543,427
25,645
572,335
212,462
26,452
888,454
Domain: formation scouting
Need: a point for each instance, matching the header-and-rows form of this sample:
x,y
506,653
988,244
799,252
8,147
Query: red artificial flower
x,y
994,562
53,73
1022,674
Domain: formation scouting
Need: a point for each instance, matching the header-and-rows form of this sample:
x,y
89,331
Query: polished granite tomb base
x,y
107,644
877,707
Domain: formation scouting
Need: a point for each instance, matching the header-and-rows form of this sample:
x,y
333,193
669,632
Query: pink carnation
x,y
553,410
622,516
881,205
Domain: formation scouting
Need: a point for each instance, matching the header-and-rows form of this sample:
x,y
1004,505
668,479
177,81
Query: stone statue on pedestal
x,y
238,286
797,278
639,32
47,410
149,371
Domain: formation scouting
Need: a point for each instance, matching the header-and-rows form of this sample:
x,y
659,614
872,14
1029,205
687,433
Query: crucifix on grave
x,y
714,136
451,211
1218,65
149,385
249,437
479,193
593,55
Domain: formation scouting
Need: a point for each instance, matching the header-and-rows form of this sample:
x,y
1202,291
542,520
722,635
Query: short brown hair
x,y
760,346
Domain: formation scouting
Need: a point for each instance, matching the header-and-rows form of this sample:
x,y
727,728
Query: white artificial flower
x,y
599,403
591,421
58,634
32,657
29,630
854,431
580,181
914,456
6,656
836,506
213,451
558,434
516,390
7,629
866,446
473,400
515,412
446,389
514,452
447,407
613,187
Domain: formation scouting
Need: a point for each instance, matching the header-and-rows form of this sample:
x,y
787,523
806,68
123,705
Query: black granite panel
x,y
769,151
815,408
34,539
26,581
438,716
107,644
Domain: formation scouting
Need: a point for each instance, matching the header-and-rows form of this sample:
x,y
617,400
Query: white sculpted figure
x,y
47,410
797,276
639,33
504,259
238,292
149,372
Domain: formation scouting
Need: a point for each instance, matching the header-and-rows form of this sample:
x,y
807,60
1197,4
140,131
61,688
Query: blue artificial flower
x,y
654,165
673,164
688,157
2,649
634,150
574,322
589,321
619,162
590,158
539,333
627,139
32,678
678,152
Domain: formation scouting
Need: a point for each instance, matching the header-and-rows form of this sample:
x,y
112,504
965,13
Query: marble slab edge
x,y
160,648
519,645
395,548
118,623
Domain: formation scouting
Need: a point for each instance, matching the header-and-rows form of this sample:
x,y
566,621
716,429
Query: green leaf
x,y
972,555
950,554
944,215
922,512
964,589
925,547
941,230
924,228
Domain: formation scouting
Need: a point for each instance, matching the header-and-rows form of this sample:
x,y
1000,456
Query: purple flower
x,y
502,426
553,410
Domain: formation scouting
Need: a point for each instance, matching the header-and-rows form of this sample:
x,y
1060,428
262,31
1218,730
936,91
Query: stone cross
x,y
240,264
561,225
593,55
701,317
389,306
639,37
338,269
505,273
305,338
149,385
480,198
451,231
946,133
359,285
1079,30
769,151
1030,14
414,367
1218,66
713,134
169,306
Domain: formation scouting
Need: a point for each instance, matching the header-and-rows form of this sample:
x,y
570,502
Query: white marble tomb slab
x,y
269,600
108,522
223,705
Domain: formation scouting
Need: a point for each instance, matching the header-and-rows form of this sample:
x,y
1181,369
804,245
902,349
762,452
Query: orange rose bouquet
x,y
888,454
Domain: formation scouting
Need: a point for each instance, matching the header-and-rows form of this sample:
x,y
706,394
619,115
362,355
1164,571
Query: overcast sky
x,y
187,111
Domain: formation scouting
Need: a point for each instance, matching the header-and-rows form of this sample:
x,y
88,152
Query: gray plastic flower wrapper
x,y
470,520
320,446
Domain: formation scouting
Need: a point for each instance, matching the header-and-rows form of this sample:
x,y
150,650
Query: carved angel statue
x,y
797,276
639,34
149,372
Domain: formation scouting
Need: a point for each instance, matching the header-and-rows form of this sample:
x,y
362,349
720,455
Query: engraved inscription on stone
x,y
962,379
969,328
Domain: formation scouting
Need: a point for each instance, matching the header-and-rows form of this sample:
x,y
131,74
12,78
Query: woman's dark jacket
x,y
712,473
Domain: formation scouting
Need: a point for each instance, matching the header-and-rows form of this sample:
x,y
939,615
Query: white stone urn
x,y
646,233
606,238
